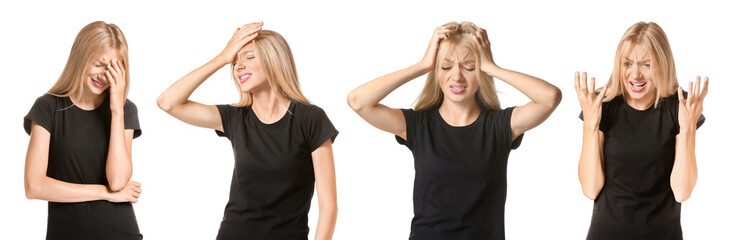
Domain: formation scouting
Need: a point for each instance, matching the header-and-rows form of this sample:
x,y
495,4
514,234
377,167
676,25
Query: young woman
x,y
79,155
638,160
459,135
281,143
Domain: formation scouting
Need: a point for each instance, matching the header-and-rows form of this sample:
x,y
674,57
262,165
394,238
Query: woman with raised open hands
x,y
638,159
281,143
81,132
459,135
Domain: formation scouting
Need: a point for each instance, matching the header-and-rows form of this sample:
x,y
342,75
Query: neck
x,y
456,114
640,104
87,100
269,106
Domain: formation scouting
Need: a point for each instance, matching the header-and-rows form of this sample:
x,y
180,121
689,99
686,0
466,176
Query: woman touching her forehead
x,y
638,160
459,135
79,155
281,142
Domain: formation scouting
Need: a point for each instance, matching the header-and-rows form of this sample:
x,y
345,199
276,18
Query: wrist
x,y
687,129
591,126
104,193
219,61
422,68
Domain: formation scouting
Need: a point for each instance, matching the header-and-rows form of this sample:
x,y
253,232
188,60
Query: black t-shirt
x,y
273,180
460,174
78,154
636,201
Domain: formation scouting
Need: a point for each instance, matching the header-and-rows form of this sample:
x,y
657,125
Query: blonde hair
x,y
460,34
651,37
276,58
91,41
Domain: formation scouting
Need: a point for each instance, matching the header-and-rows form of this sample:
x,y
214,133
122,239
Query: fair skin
x,y
459,84
269,105
640,93
106,71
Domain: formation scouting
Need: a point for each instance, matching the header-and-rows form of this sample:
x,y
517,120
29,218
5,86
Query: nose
x,y
636,73
455,74
239,67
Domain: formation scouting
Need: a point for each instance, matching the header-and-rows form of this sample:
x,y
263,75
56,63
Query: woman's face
x,y
457,76
248,71
95,79
638,73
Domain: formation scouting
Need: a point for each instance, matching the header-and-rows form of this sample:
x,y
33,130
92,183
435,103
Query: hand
x,y
485,52
590,101
130,193
429,60
116,77
689,110
240,38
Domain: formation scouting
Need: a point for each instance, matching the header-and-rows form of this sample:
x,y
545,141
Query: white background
x,y
186,171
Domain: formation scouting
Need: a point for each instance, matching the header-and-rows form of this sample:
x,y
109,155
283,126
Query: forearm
x,y
119,167
539,91
179,93
685,172
327,221
591,171
49,189
372,92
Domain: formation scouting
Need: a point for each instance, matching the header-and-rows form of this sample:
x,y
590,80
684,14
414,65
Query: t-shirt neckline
x,y
446,124
276,123
71,104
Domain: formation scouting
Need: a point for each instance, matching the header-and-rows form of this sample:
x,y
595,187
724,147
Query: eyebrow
x,y
628,59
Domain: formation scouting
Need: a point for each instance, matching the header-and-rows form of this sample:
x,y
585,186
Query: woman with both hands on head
x,y
79,155
460,137
638,160
282,143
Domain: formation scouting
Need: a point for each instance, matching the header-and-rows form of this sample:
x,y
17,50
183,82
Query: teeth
x,y
244,76
638,84
458,88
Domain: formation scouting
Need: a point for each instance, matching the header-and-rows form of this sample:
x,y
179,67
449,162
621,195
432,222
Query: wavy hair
x,y
460,34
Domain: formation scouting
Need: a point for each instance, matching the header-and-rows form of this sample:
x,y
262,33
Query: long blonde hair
x,y
276,58
460,34
91,41
651,37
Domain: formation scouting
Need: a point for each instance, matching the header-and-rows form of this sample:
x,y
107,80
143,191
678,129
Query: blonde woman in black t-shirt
x,y
79,155
459,135
281,142
638,160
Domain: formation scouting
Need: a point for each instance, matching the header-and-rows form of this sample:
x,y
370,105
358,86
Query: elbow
x,y
681,195
163,104
555,98
31,190
353,101
118,185
591,194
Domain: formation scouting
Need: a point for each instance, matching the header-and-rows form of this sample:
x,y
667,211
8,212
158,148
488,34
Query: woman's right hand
x,y
590,101
429,60
240,38
130,193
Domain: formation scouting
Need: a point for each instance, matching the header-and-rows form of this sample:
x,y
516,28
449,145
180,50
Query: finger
x,y
576,83
584,90
705,89
690,92
110,79
592,89
134,200
698,85
249,38
137,189
136,194
134,183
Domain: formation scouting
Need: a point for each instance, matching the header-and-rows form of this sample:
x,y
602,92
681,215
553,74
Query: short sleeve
x,y
225,112
42,113
319,128
131,118
503,126
411,119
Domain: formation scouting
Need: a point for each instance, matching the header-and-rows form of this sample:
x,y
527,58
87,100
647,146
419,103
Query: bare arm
x,y
544,97
119,167
175,100
365,100
40,186
591,170
685,172
323,166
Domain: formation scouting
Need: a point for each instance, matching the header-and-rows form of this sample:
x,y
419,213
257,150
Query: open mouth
x,y
457,89
244,77
637,86
99,84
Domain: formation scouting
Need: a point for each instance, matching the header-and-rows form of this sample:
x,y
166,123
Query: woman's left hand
x,y
689,110
116,77
485,52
